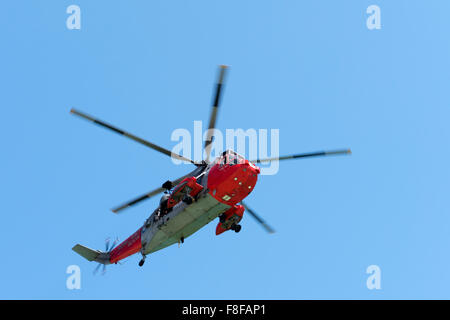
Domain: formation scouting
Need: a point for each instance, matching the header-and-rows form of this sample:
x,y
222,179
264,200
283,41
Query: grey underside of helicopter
x,y
181,222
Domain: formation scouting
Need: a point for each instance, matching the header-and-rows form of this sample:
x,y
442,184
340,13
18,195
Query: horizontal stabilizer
x,y
86,252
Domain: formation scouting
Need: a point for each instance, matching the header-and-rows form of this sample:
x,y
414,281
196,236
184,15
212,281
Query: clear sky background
x,y
309,68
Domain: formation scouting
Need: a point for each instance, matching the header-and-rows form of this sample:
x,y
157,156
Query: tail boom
x,y
127,248
92,255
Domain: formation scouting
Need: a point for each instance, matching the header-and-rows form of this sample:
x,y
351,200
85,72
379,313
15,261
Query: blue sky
x,y
311,69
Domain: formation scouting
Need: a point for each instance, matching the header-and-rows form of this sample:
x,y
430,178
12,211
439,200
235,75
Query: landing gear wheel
x,y
237,228
182,239
187,199
141,263
222,218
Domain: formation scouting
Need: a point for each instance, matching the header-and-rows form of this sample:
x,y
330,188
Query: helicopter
x,y
214,189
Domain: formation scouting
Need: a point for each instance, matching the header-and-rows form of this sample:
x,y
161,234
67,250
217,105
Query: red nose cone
x,y
230,184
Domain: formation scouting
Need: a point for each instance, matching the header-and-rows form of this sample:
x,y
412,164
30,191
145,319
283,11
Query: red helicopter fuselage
x,y
213,189
230,179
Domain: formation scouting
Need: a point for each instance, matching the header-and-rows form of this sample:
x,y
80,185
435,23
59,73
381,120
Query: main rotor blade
x,y
137,200
258,218
145,196
306,155
131,136
96,268
215,108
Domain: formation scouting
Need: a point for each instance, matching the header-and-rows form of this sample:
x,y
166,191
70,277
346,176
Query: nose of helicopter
x,y
230,184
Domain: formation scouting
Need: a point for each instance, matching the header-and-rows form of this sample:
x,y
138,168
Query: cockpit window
x,y
230,157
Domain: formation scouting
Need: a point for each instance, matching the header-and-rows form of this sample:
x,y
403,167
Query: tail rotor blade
x,y
96,269
107,244
258,219
114,244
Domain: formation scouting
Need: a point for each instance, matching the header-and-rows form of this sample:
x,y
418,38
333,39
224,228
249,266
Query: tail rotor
x,y
108,250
